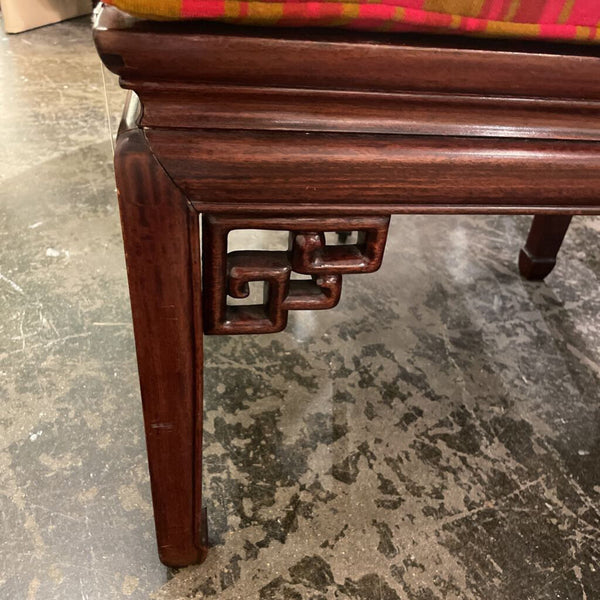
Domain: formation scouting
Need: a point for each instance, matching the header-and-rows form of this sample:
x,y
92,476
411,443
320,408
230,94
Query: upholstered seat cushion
x,y
548,19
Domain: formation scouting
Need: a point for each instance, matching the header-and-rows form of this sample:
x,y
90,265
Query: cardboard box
x,y
20,15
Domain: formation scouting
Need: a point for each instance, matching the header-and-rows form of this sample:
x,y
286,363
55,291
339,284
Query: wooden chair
x,y
228,123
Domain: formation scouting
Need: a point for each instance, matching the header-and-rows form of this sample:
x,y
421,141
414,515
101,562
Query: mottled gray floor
x,y
434,437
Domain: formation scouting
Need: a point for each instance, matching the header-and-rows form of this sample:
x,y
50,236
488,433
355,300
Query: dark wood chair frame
x,y
312,132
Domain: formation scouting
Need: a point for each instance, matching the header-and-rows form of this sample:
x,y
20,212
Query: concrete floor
x,y
434,437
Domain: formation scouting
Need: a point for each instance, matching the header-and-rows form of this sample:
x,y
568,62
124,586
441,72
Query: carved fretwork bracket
x,y
230,273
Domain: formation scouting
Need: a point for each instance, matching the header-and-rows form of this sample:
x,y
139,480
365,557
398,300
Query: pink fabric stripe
x,y
551,11
548,30
495,10
210,9
585,13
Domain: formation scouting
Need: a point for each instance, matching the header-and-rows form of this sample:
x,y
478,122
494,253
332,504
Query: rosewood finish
x,y
229,124
209,53
161,239
307,254
224,77
414,113
336,171
538,256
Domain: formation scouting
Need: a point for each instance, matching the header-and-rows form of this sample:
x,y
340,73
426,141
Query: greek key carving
x,y
229,274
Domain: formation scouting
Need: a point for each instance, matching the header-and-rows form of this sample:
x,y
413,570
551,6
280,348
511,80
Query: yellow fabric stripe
x,y
465,8
565,13
263,12
582,33
349,13
512,10
152,10
232,9
500,29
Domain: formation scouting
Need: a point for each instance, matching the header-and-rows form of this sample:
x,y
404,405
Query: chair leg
x,y
160,232
538,257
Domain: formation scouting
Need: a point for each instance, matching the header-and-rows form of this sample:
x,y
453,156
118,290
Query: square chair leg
x,y
538,257
161,238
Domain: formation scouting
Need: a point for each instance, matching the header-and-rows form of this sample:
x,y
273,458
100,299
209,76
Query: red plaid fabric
x,y
547,19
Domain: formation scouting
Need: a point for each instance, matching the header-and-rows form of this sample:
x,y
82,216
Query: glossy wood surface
x,y
338,59
335,171
342,111
228,274
224,77
160,235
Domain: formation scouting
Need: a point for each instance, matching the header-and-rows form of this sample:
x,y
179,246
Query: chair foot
x,y
538,257
534,268
180,554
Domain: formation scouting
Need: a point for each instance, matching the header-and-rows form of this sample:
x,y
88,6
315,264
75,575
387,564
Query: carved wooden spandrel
x,y
229,274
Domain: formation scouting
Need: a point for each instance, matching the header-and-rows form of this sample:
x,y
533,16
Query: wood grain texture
x,y
203,75
160,233
217,76
336,171
345,60
263,108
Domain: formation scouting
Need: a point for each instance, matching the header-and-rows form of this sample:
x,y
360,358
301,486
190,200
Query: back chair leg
x,y
538,257
161,238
